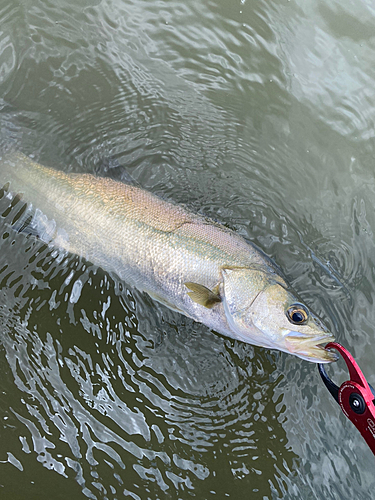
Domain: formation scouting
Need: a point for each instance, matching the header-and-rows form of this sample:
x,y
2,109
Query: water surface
x,y
258,114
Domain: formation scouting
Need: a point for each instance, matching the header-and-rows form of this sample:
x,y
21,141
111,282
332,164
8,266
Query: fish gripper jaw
x,y
356,397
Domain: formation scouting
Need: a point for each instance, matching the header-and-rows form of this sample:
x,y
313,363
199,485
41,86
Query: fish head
x,y
262,311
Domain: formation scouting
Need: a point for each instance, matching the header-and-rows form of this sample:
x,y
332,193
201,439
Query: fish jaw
x,y
310,347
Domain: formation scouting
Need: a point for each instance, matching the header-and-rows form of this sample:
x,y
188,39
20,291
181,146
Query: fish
x,y
183,260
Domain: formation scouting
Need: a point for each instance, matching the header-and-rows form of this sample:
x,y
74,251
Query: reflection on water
x,y
258,114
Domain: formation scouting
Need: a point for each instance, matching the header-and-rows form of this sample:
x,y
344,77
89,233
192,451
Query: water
x,y
258,114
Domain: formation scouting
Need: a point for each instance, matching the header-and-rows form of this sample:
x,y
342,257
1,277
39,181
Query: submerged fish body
x,y
183,260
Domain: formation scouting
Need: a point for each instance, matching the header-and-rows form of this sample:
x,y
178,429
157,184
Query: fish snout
x,y
310,346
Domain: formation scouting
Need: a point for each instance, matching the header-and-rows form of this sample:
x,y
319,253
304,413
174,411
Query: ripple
x,y
259,115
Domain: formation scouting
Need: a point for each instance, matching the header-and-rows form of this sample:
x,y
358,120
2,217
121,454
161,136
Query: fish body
x,y
181,259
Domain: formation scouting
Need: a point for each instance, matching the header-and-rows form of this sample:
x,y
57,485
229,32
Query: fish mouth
x,y
311,347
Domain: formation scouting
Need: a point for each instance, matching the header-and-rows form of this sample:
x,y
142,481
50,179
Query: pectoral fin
x,y
202,295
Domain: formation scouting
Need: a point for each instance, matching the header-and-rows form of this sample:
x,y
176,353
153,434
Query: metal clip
x,y
356,397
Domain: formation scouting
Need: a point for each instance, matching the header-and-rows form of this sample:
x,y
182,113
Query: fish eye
x,y
297,314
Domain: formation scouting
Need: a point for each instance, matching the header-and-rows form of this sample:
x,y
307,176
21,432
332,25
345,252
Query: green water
x,y
259,114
